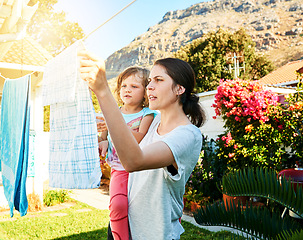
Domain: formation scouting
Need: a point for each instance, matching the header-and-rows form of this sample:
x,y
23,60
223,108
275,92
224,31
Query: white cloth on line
x,y
74,158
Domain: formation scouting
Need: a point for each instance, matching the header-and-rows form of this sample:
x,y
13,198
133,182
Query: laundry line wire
x,y
85,37
97,28
5,78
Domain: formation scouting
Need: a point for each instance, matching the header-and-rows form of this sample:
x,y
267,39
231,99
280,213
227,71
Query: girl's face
x,y
132,91
160,91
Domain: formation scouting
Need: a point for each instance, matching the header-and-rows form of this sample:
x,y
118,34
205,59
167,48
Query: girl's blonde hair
x,y
142,73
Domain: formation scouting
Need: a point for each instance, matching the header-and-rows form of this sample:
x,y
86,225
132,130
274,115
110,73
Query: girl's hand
x,y
101,126
92,70
103,146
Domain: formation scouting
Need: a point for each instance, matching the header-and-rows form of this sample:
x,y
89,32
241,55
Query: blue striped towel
x,y
14,141
74,158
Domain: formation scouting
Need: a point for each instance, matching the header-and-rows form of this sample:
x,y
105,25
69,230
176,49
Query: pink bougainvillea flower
x,y
240,98
238,119
228,138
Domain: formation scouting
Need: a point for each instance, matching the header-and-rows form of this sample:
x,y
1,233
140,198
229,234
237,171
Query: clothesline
x,y
85,37
5,78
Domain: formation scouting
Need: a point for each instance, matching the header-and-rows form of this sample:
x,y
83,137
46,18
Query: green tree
x,y
211,55
51,29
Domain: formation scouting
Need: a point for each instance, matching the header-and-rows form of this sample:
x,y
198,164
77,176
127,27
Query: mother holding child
x,y
161,164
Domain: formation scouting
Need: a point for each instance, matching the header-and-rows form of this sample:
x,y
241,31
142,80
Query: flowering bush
x,y
258,128
259,132
297,126
293,120
239,101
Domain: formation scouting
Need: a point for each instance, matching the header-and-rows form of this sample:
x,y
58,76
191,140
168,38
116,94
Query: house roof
x,y
283,75
14,14
14,17
26,51
18,51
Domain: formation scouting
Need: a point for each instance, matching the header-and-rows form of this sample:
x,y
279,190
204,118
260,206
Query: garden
x,y
62,217
262,137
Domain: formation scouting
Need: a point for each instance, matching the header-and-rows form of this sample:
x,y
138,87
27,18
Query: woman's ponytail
x,y
193,109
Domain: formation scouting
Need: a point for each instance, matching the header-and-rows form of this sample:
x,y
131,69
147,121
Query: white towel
x,y
74,157
60,74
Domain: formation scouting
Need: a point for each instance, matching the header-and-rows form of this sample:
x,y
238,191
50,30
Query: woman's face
x,y
160,91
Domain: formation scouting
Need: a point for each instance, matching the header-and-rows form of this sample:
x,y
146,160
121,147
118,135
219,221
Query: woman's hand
x,y
92,70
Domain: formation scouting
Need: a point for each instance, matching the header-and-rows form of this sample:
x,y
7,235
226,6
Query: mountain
x,y
274,25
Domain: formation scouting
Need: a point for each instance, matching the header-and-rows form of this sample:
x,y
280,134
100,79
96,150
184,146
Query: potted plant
x,y
259,222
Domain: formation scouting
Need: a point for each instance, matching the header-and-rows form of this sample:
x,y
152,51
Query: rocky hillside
x,y
274,25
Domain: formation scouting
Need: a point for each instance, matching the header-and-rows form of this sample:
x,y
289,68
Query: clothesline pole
x,y
108,20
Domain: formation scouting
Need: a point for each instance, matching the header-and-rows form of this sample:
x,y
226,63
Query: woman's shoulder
x,y
187,130
185,142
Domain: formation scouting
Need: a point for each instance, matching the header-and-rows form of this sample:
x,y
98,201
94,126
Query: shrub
x,y
293,120
53,197
202,184
258,128
34,203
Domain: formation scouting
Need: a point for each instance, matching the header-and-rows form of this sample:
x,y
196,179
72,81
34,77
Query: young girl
x,y
131,95
161,165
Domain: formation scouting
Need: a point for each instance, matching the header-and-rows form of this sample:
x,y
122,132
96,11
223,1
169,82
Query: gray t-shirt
x,y
156,196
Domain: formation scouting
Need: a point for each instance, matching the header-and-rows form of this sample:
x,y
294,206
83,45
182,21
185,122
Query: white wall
x,y
212,127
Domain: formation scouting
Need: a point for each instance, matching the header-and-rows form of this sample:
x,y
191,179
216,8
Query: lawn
x,y
79,221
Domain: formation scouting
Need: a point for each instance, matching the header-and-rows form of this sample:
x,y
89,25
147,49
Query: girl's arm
x,y
139,135
103,136
103,147
143,128
103,143
156,155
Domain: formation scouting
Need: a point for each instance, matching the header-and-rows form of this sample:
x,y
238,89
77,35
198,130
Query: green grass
x,y
78,222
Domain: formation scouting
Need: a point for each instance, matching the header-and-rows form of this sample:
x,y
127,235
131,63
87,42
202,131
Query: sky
x,y
121,30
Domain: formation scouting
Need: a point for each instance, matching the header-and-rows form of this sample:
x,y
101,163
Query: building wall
x,y
212,127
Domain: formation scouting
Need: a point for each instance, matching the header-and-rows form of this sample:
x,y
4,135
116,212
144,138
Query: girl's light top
x,y
133,121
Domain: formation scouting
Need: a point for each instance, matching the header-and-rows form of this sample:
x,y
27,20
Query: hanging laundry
x,y
74,158
14,141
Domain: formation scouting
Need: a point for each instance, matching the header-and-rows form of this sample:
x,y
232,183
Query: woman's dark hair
x,y
183,74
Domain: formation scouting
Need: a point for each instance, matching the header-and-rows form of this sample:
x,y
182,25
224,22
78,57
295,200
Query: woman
x,y
167,154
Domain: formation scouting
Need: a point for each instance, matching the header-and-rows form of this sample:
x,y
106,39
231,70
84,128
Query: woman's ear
x,y
180,90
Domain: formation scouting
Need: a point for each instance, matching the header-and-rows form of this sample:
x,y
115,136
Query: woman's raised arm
x,y
92,70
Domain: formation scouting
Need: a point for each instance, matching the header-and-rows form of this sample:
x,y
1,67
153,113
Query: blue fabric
x,y
14,141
